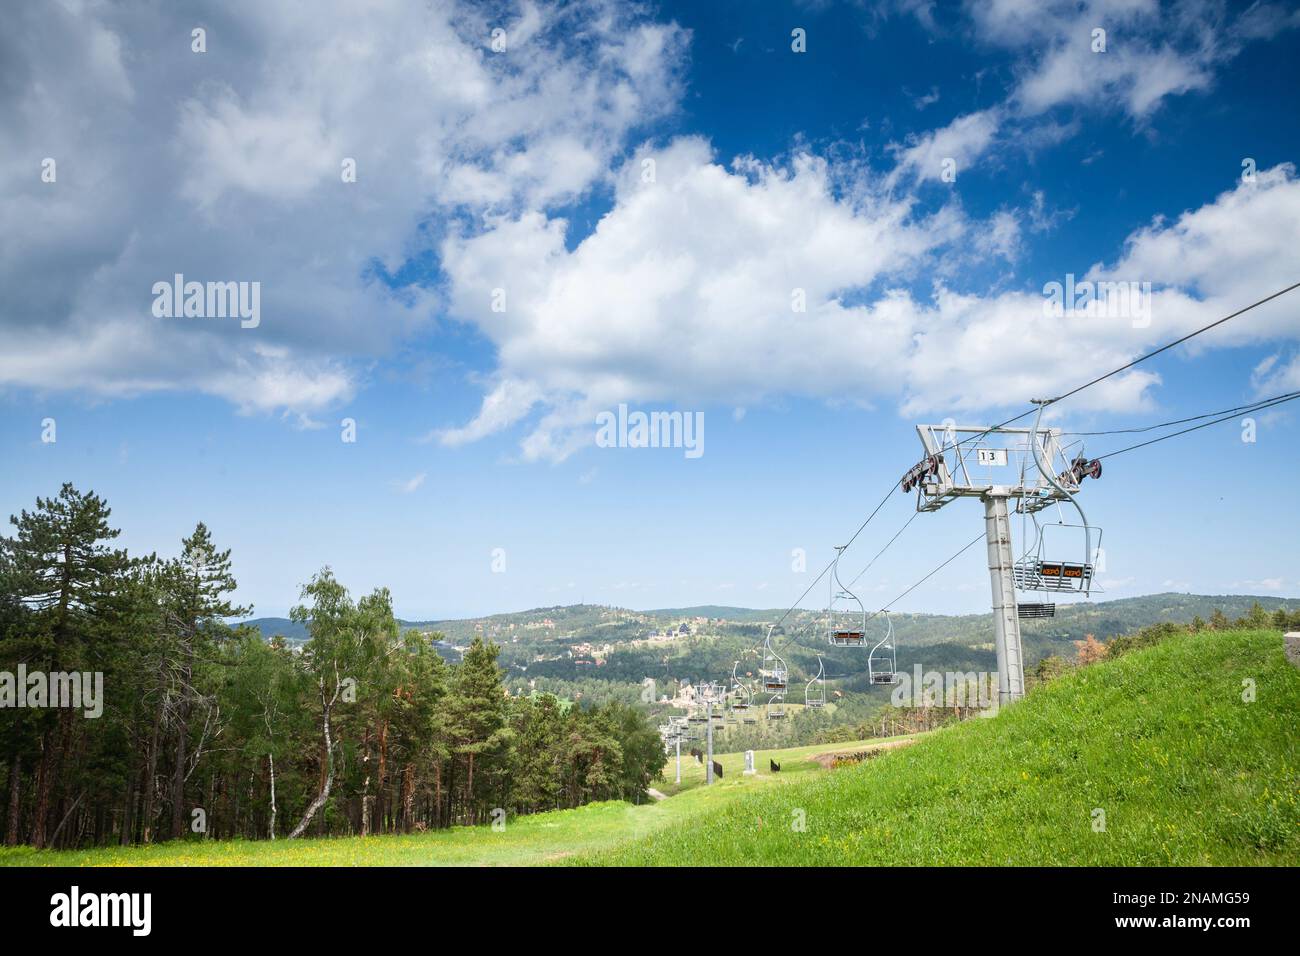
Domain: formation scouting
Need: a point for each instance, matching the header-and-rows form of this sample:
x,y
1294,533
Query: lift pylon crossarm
x,y
982,461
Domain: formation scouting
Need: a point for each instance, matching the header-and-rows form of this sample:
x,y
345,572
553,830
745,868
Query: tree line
x,y
208,729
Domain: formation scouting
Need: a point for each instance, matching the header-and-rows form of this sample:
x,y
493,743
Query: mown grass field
x,y
525,841
1160,740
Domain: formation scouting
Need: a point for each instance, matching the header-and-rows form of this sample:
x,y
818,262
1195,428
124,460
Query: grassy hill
x,y
796,763
1160,740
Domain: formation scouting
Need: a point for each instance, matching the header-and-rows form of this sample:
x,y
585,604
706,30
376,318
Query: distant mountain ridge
x,y
1104,619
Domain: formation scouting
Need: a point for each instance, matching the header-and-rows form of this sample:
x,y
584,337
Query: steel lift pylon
x,y
995,465
1006,617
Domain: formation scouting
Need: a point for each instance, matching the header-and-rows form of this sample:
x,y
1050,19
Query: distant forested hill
x,y
598,654
741,614
270,627
602,624
296,633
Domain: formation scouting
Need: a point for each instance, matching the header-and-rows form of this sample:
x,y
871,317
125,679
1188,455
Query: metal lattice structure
x,y
713,695
672,734
965,461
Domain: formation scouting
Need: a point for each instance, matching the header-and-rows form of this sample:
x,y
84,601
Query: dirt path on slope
x,y
827,757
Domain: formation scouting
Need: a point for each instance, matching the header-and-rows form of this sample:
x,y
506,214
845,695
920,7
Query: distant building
x,y
686,695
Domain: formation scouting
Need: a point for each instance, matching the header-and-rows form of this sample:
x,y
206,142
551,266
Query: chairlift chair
x,y
1033,610
882,665
1035,571
773,674
776,705
817,697
844,633
775,677
742,695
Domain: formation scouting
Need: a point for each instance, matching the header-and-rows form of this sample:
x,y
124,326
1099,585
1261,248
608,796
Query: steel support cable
x,y
1281,400
1128,365
964,548
1231,412
874,614
817,579
896,536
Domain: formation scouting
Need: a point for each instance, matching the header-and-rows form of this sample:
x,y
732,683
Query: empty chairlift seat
x,y
1031,611
846,618
882,665
842,637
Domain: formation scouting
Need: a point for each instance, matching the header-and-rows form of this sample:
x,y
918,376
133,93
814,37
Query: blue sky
x,y
523,170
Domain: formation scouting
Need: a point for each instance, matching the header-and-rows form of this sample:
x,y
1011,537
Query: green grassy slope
x,y
525,841
796,762
1161,740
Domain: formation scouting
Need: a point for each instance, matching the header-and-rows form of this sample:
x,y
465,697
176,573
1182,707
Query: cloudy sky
x,y
814,223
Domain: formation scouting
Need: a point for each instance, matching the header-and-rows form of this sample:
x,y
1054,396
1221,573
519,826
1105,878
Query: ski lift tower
x,y
997,465
672,734
713,694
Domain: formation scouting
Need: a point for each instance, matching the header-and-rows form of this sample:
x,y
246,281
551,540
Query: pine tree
x,y
58,565
476,722
199,583
359,730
